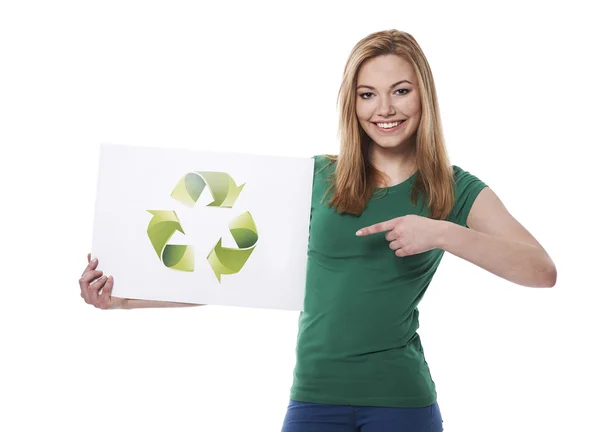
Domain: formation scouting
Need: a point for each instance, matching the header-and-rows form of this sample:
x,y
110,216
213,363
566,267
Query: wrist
x,y
444,227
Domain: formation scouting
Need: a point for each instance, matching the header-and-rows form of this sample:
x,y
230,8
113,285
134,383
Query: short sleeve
x,y
323,167
466,188
320,161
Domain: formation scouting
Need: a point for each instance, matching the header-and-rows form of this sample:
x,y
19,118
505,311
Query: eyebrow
x,y
392,86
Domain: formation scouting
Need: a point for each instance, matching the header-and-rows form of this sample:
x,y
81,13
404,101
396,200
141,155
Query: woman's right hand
x,y
92,281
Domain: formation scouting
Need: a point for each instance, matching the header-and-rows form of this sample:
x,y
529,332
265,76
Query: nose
x,y
385,107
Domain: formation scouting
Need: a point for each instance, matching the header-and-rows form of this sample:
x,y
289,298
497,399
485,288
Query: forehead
x,y
385,68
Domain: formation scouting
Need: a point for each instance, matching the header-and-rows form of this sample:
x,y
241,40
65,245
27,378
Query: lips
x,y
388,121
393,129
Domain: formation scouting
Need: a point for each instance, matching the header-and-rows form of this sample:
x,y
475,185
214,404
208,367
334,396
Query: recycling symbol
x,y
224,192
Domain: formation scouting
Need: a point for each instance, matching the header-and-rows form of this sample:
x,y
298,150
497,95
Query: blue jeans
x,y
316,417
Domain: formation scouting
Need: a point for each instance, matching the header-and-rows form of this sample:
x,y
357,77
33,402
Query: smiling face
x,y
388,105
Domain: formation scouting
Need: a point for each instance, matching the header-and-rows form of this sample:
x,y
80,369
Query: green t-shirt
x,y
357,340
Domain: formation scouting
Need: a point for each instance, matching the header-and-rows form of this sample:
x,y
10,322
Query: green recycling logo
x,y
165,223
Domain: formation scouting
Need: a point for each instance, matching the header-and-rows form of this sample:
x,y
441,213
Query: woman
x,y
383,213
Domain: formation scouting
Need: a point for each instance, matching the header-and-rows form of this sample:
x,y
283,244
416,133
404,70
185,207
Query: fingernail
x,y
359,232
94,260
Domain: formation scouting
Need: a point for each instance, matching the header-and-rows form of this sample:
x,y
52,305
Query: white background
x,y
518,89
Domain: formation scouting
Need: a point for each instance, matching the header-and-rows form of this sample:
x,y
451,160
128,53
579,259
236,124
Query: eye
x,y
368,94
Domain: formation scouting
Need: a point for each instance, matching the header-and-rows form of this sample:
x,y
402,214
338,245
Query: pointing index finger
x,y
377,228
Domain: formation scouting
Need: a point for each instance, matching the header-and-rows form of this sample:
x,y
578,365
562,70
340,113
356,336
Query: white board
x,y
261,263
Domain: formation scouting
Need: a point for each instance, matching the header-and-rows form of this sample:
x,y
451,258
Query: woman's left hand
x,y
408,235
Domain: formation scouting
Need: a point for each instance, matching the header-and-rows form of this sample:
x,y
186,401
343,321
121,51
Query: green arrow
x,y
231,260
222,188
161,228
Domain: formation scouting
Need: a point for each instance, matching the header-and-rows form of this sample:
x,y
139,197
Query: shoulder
x,y
324,162
467,187
458,171
463,177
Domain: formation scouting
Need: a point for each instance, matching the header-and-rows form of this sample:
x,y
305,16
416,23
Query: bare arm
x,y
498,243
514,260
137,304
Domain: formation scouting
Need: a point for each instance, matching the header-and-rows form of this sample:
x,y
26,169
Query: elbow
x,y
553,276
550,277
547,268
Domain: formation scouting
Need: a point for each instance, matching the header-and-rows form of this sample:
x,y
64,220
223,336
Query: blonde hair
x,y
355,178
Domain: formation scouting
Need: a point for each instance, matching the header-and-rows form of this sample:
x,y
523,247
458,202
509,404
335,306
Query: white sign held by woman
x,y
203,227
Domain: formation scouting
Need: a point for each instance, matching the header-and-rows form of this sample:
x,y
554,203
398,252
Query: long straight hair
x,y
354,179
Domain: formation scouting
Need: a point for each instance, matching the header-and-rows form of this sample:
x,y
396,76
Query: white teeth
x,y
389,125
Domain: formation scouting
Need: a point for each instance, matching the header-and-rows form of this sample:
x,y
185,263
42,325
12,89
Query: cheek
x,y
409,106
362,111
413,106
364,115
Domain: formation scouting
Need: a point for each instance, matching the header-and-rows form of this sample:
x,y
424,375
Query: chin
x,y
390,144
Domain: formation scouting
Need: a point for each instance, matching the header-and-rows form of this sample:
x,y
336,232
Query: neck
x,y
398,164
